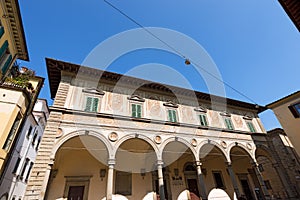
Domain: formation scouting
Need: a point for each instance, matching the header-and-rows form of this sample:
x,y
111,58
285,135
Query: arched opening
x,y
214,169
135,162
79,167
270,174
246,179
180,173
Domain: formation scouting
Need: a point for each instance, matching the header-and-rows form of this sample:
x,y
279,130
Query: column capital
x,y
198,163
111,162
160,162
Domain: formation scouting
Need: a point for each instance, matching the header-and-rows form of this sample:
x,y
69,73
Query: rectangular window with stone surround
x,y
228,123
136,110
172,115
123,183
203,120
91,104
219,183
251,126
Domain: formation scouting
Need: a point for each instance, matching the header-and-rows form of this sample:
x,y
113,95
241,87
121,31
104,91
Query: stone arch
x,y
244,149
180,140
134,136
76,133
4,196
216,145
263,150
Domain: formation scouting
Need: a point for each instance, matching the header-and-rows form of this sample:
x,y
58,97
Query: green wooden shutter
x,y
133,110
3,48
6,64
88,104
229,123
251,127
203,120
139,111
1,31
95,104
170,115
174,116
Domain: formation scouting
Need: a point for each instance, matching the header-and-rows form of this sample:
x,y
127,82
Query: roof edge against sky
x,y
284,100
292,8
13,15
54,68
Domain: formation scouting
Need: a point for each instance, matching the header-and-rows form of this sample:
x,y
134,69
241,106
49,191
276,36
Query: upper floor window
x,y
228,123
16,165
34,137
29,131
91,104
136,104
1,29
203,120
295,109
5,57
12,133
136,110
24,168
92,100
250,126
29,171
171,111
172,115
202,116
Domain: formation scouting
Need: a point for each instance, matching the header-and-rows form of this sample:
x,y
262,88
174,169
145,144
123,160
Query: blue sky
x,y
253,43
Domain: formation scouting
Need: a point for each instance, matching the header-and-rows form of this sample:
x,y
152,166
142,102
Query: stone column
x,y
261,181
201,181
160,180
110,179
233,179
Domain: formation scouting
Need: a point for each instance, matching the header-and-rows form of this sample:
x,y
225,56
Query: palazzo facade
x,y
111,136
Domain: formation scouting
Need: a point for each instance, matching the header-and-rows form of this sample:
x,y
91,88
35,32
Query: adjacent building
x,y
16,176
12,38
287,111
112,135
18,95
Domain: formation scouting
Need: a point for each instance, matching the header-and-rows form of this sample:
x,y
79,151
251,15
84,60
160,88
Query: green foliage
x,y
21,80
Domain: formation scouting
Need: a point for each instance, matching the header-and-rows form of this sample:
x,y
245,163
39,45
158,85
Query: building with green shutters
x,y
12,38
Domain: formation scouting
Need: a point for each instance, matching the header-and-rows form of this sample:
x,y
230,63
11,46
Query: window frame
x,y
92,106
77,181
174,115
29,131
251,126
27,160
226,120
295,109
127,191
138,114
201,117
221,176
92,93
12,133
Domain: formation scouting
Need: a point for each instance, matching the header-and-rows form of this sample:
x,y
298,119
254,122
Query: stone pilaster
x,y
38,180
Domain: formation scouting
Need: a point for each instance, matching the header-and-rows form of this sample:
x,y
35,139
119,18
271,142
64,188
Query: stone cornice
x,y
14,20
